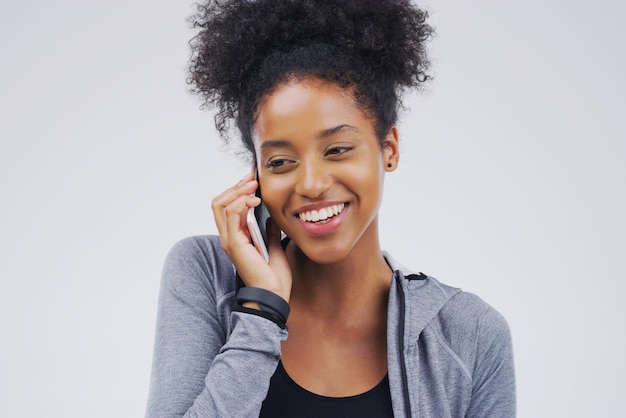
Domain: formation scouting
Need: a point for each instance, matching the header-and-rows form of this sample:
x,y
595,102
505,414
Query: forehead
x,y
301,107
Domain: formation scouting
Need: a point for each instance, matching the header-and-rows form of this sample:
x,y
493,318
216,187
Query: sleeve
x,y
197,369
493,378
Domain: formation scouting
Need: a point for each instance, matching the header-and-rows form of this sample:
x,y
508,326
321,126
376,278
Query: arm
x,y
198,369
493,379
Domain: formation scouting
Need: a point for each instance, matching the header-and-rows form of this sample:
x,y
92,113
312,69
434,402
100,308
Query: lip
x,y
325,228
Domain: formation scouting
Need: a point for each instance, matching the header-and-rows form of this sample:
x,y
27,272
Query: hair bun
x,y
236,36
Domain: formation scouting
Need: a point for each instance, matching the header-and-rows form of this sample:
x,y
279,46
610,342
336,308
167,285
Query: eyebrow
x,y
331,131
278,143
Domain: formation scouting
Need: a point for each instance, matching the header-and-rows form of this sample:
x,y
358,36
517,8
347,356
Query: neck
x,y
356,285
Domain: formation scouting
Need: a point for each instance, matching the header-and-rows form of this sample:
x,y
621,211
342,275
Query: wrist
x,y
251,305
265,301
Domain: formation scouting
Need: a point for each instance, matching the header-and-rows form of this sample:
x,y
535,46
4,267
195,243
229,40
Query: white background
x,y
512,185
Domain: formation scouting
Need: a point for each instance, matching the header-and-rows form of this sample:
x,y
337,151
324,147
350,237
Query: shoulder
x,y
198,263
197,249
478,338
466,312
467,309
473,330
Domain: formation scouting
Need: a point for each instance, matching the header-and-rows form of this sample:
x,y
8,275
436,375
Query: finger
x,y
234,222
221,202
231,223
244,186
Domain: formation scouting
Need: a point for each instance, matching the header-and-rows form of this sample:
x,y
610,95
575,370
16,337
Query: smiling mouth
x,y
323,215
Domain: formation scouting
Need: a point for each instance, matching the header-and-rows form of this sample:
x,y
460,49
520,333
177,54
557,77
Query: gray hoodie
x,y
449,353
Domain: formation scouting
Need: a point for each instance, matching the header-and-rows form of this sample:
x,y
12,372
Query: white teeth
x,y
322,214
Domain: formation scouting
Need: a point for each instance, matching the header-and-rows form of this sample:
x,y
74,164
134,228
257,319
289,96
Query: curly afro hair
x,y
246,48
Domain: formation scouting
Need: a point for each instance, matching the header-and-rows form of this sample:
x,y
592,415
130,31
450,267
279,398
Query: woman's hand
x,y
230,210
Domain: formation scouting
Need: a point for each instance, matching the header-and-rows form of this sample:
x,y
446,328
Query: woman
x,y
314,88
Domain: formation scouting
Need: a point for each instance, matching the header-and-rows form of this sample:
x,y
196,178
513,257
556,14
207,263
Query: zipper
x,y
405,378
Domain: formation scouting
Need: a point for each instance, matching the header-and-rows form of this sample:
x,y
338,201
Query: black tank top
x,y
286,398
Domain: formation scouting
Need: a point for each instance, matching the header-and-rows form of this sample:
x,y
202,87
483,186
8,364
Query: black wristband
x,y
270,317
268,301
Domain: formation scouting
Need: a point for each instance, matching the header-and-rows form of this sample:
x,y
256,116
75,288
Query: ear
x,y
391,151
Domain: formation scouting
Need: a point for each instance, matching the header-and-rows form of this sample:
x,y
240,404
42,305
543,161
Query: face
x,y
321,168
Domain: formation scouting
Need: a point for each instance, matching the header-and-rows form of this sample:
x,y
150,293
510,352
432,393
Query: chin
x,y
325,258
325,253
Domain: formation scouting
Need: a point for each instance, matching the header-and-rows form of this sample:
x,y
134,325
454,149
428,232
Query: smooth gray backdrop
x,y
512,185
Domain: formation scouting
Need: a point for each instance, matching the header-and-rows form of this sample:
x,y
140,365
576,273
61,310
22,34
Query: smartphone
x,y
257,224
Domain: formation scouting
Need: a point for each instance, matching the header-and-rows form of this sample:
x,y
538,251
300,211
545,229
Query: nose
x,y
313,179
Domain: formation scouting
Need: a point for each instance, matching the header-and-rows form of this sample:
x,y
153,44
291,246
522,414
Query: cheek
x,y
274,194
368,170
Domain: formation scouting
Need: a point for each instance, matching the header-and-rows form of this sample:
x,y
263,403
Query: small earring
x,y
389,165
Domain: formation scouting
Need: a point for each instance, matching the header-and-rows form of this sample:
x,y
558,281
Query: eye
x,y
276,163
337,150
279,165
